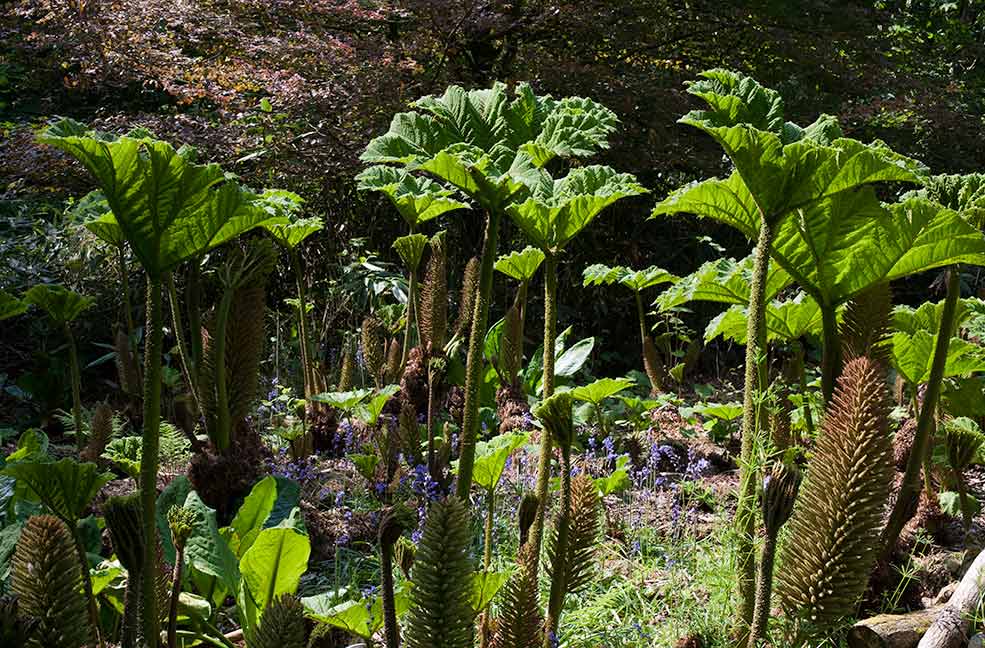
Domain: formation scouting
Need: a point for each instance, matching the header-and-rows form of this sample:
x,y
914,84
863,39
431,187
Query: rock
x,y
978,641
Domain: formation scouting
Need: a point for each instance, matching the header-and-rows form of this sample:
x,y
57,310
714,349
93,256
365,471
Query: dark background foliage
x,y
286,93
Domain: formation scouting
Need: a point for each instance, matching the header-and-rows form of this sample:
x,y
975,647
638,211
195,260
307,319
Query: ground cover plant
x,y
447,426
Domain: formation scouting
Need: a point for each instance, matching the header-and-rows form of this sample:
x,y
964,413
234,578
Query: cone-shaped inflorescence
x,y
282,625
466,302
100,431
527,512
865,328
583,533
520,623
440,614
434,296
374,348
347,373
48,584
834,535
16,630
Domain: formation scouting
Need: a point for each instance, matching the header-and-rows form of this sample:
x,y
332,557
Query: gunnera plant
x,y
123,515
282,626
100,432
441,614
866,325
48,584
520,623
834,534
16,630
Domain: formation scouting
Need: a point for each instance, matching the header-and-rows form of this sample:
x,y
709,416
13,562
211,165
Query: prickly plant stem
x,y
223,432
76,377
473,366
410,319
558,584
306,369
808,417
745,514
149,459
390,629
125,290
175,593
655,383
86,580
432,414
764,590
904,507
488,529
546,446
831,354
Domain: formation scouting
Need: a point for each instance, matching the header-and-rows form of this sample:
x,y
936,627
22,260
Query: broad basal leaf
x,y
274,564
67,487
786,320
603,388
253,513
491,456
363,618
61,304
912,356
345,401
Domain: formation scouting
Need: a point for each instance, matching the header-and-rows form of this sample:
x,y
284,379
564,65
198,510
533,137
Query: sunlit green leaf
x,y
60,303
521,264
598,391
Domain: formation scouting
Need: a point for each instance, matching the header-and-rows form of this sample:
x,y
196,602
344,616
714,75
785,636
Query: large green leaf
x,y
174,494
207,551
67,487
168,207
252,515
786,320
574,358
962,193
410,248
489,144
369,411
61,304
600,274
363,617
723,280
559,209
520,264
491,456
840,246
292,233
10,306
417,199
598,391
274,564
485,586
912,356
345,401
927,316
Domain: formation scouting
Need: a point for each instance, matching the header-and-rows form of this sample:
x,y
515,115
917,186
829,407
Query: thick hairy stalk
x,y
440,614
411,327
909,494
47,582
149,458
391,528
831,353
546,444
752,418
833,539
779,494
181,522
125,289
73,363
487,534
436,373
307,368
473,366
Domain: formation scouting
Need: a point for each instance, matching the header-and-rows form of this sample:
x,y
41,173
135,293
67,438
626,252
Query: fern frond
x,y
440,614
48,584
834,533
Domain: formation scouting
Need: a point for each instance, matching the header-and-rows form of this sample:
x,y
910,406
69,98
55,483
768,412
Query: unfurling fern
x,y
866,326
48,584
834,533
282,625
466,302
440,614
16,630
374,348
434,296
520,624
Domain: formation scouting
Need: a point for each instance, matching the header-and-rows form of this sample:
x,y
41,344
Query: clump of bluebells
x,y
302,470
